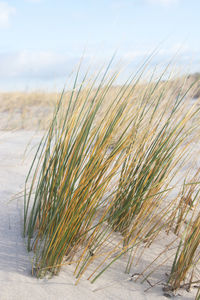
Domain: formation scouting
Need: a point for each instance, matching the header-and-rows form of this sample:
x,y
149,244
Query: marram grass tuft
x,y
104,167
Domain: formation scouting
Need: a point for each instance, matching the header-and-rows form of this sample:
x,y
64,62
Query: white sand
x,y
16,281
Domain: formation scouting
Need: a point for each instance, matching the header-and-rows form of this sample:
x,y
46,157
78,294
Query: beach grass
x,y
106,166
187,254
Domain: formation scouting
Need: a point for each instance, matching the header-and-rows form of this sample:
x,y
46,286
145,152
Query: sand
x,y
16,281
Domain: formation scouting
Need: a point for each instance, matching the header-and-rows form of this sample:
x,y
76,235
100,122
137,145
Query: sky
x,y
41,41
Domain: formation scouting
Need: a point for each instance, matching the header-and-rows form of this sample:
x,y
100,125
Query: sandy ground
x,y
16,281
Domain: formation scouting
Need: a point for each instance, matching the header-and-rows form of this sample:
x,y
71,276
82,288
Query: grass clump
x,y
73,169
187,254
105,166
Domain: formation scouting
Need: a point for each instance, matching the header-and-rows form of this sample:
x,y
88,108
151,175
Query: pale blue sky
x,y
42,40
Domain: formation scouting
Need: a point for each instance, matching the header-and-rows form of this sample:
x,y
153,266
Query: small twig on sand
x,y
157,283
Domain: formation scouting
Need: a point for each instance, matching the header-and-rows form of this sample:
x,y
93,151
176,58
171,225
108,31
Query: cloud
x,y
178,54
136,54
44,68
35,69
43,64
6,12
47,65
163,2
